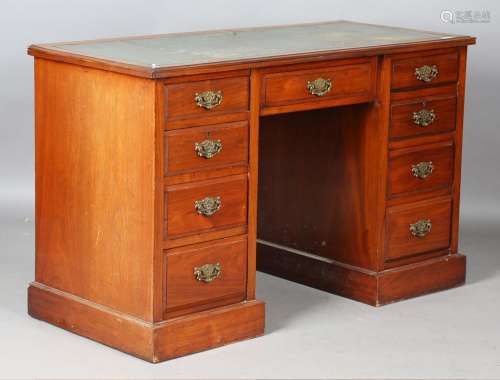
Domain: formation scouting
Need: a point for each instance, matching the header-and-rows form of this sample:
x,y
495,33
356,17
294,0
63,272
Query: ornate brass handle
x,y
208,206
421,228
426,73
208,148
319,87
208,272
424,117
208,99
423,169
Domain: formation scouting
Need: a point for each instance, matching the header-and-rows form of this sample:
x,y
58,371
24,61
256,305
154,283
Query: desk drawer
x,y
420,169
206,147
418,228
311,85
206,98
421,116
203,276
203,206
424,70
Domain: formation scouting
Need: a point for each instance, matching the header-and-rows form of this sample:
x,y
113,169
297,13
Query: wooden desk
x,y
151,154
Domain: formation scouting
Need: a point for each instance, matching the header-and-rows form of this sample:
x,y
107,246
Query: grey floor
x,y
310,334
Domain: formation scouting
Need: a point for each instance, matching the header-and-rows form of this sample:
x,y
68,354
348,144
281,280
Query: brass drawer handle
x,y
208,99
319,87
208,148
424,117
208,272
426,73
208,206
421,228
423,169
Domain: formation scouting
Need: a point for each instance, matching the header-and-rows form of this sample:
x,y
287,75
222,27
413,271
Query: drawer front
x,y
420,169
204,276
206,147
319,84
420,116
425,70
205,98
203,206
418,228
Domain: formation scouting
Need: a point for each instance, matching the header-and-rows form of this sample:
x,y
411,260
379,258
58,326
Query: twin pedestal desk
x,y
169,168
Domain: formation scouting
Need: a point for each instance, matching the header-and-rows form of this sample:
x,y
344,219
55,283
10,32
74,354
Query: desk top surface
x,y
196,48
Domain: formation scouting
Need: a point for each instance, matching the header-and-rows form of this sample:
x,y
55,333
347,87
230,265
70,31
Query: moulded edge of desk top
x,y
46,52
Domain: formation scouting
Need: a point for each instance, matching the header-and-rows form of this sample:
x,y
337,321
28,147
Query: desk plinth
x,y
157,183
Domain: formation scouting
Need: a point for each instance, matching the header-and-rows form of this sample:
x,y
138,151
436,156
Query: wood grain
x,y
403,69
324,182
185,294
402,124
421,278
253,180
401,243
291,86
459,126
181,217
208,329
180,98
91,320
373,288
180,154
153,342
95,174
334,277
403,182
313,178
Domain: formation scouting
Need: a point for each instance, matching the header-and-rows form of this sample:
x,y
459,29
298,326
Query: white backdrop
x,y
310,333
36,21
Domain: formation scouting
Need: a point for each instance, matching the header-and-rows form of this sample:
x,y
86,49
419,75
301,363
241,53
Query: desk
x,y
152,152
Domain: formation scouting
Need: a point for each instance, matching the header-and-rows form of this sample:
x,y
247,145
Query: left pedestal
x,y
102,264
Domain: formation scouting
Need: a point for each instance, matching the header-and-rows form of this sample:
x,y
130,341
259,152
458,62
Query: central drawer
x,y
326,82
199,207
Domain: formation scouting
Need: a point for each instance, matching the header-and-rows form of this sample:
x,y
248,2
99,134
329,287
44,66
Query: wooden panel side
x,y
462,67
95,173
253,179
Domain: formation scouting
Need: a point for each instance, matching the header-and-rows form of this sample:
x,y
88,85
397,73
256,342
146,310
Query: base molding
x,y
370,287
153,342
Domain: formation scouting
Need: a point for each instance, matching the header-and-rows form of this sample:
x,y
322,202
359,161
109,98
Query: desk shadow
x,y
287,301
480,242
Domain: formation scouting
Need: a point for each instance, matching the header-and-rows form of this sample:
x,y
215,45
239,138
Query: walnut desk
x,y
151,154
